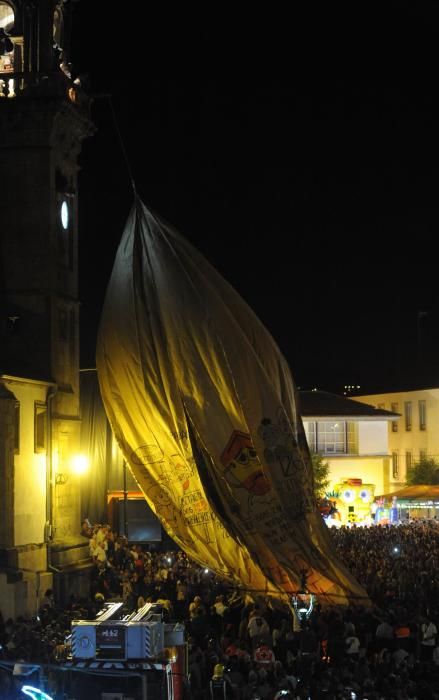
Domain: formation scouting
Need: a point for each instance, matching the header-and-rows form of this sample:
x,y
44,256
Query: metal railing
x,y
50,84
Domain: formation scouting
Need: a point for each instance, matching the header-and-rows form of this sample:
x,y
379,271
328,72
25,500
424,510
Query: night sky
x,y
299,154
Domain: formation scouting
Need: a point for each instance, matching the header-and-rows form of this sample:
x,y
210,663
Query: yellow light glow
x,y
55,460
40,472
79,464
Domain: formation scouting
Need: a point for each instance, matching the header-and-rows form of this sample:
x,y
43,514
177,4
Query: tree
x,y
426,471
321,475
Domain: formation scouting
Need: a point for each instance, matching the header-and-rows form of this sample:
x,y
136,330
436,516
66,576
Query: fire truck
x,y
116,656
126,657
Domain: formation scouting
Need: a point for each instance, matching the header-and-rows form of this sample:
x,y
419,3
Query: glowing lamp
x,y
79,464
303,601
303,604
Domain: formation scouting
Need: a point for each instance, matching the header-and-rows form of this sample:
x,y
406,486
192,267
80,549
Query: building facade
x,y
415,434
352,437
43,121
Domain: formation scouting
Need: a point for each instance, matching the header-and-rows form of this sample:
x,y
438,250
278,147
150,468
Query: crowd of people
x,y
252,648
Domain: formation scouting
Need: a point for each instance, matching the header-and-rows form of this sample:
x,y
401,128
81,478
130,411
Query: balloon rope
x,y
123,149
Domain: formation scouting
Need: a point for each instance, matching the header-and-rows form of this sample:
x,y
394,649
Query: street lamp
x,y
78,466
303,600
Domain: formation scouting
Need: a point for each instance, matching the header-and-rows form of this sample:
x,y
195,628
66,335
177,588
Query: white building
x,y
352,436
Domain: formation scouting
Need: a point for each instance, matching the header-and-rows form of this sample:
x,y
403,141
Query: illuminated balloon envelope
x,y
203,406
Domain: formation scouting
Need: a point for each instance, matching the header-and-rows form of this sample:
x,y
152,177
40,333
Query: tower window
x,y
6,43
58,26
7,17
64,215
65,233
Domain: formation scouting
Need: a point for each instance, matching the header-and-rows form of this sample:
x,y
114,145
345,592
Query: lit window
x,y
331,437
394,409
422,415
408,415
65,230
6,16
6,48
58,28
65,215
395,465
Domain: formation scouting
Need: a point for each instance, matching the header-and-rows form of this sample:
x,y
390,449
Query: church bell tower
x,y
44,117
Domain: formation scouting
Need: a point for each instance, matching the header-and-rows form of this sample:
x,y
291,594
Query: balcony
x,y
16,85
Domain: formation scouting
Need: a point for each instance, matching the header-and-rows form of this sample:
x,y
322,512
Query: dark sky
x,y
299,154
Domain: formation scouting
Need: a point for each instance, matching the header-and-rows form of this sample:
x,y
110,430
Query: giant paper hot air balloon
x,y
203,406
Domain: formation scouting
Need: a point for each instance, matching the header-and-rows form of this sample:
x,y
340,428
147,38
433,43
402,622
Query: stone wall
x,y
7,441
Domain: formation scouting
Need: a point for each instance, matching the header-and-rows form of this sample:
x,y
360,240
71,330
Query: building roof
x,y
408,389
418,492
401,387
323,404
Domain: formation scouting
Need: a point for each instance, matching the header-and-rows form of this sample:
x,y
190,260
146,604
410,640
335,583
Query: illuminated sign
x,y
418,504
35,693
110,636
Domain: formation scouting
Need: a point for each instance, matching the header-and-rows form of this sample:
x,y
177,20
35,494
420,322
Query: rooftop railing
x,y
14,85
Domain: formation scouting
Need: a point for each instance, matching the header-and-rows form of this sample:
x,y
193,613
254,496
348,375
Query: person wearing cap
x,y
99,601
220,686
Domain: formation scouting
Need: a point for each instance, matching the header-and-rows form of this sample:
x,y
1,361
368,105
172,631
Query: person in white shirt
x,y
428,639
352,646
258,629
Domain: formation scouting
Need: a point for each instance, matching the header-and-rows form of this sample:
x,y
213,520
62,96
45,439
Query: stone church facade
x,y
44,117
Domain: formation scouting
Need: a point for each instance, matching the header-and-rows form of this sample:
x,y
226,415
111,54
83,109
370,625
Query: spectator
x,y
428,639
258,630
48,599
86,528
